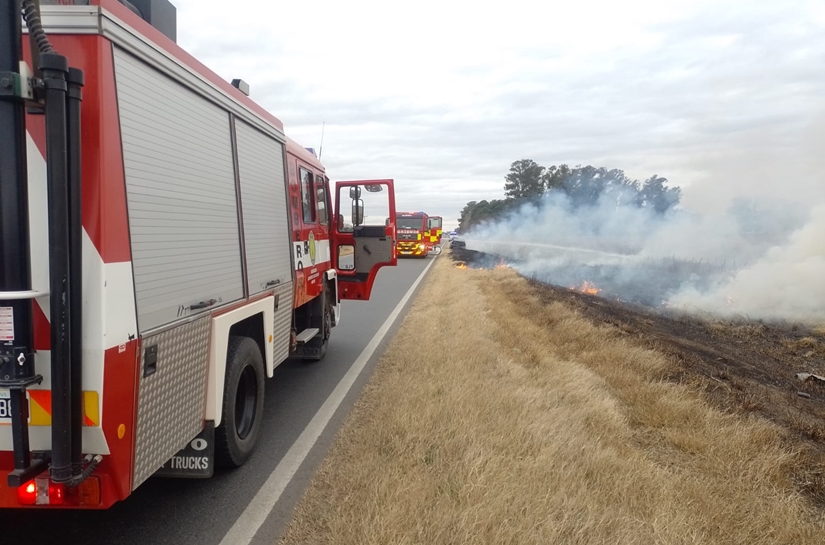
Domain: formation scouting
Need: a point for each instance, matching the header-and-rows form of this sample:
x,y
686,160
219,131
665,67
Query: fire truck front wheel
x,y
243,403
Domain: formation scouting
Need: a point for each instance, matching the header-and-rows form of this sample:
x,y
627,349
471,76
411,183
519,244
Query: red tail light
x,y
42,491
27,494
57,493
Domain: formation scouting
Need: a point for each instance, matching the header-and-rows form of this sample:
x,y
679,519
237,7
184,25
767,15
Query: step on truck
x,y
164,247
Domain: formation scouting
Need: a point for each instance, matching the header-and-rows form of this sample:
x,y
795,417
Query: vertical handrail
x,y
17,370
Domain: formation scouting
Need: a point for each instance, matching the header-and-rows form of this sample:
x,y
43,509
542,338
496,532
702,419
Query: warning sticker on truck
x,y
6,324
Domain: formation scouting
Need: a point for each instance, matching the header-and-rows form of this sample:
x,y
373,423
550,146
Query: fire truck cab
x,y
412,228
164,247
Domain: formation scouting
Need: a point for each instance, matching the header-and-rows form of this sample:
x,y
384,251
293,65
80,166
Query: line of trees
x,y
584,186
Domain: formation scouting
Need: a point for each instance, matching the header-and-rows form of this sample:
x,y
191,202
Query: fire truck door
x,y
364,235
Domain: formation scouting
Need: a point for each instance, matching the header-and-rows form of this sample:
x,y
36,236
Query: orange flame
x,y
587,287
502,265
461,265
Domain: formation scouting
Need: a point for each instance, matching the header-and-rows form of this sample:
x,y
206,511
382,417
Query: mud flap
x,y
304,351
196,460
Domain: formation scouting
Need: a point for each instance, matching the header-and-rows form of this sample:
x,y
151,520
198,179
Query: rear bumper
x,y
9,497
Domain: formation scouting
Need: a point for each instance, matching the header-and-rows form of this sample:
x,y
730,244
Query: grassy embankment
x,y
522,422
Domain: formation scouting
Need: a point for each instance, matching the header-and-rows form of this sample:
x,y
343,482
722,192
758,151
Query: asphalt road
x,y
183,512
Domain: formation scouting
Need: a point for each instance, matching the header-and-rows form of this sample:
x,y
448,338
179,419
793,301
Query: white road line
x,y
247,525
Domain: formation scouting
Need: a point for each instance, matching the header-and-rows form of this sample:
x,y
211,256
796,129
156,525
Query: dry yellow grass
x,y
524,423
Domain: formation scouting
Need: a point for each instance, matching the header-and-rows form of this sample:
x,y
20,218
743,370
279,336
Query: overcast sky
x,y
717,96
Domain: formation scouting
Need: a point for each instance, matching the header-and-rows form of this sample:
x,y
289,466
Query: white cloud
x,y
443,95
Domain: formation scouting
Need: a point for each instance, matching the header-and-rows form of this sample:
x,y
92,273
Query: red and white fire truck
x,y
164,247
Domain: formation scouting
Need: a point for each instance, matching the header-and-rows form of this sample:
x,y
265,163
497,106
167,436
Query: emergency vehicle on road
x,y
164,247
413,234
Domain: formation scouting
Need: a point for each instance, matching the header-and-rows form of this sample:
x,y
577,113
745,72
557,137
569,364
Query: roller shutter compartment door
x,y
180,186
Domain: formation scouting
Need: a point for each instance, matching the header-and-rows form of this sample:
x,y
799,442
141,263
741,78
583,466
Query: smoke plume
x,y
760,257
787,281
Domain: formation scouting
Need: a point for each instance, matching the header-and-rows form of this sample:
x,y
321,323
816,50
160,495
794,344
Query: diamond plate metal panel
x,y
171,400
283,324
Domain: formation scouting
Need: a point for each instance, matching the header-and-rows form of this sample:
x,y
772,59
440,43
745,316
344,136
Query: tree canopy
x,y
525,180
583,186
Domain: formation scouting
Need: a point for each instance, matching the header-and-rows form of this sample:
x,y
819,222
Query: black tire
x,y
321,341
243,403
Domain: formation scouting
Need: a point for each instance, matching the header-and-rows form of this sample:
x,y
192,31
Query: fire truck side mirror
x,y
357,212
355,193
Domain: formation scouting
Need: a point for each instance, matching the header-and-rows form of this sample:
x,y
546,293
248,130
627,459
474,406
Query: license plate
x,y
5,407
5,404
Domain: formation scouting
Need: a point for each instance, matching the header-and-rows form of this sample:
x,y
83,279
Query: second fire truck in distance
x,y
412,231
434,230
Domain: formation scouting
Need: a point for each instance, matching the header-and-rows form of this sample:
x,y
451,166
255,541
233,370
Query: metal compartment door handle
x,y
203,304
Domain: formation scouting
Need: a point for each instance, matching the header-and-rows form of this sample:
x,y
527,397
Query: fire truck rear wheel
x,y
243,403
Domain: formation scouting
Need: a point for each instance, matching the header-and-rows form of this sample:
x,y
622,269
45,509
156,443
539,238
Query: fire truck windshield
x,y
409,223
